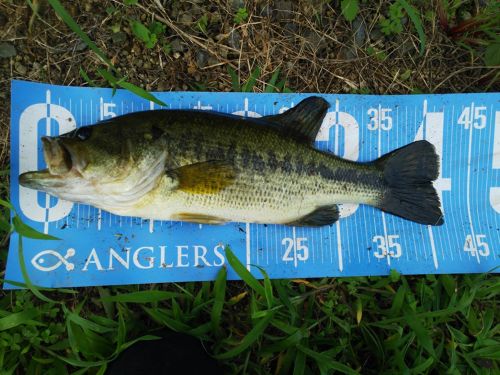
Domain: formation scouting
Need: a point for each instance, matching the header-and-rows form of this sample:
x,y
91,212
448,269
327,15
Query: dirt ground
x,y
310,42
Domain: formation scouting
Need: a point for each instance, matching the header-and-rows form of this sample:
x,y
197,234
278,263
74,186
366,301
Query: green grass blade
x,y
6,204
242,272
145,296
202,330
417,22
65,16
420,331
249,339
102,369
324,361
249,85
397,301
103,321
299,367
130,87
24,285
86,77
371,338
219,297
235,81
142,338
161,317
72,361
15,319
26,231
122,330
84,323
108,306
288,342
82,371
6,226
268,289
24,272
73,344
284,296
420,369
271,85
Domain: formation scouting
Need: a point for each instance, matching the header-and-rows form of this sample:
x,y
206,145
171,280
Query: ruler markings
x,y
446,248
330,242
322,247
489,166
339,247
408,225
276,229
256,243
343,229
379,151
406,248
355,229
461,195
476,174
363,135
453,202
294,244
393,223
429,227
471,127
267,246
247,230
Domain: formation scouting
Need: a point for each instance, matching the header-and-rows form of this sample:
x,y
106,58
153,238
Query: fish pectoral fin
x,y
324,215
208,177
304,120
198,218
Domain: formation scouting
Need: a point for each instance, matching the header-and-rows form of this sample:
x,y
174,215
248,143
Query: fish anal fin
x,y
198,218
208,177
324,215
304,120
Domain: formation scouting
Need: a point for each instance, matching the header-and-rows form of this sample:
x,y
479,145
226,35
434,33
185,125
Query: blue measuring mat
x,y
98,248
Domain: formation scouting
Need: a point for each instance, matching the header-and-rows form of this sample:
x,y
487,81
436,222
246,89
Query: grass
x,y
392,324
395,324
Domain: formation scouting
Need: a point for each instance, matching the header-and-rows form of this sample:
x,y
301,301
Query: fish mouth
x,y
61,161
57,155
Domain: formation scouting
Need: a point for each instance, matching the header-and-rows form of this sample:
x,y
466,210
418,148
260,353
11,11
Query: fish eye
x,y
83,133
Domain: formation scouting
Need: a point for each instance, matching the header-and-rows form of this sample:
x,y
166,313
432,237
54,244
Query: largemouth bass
x,y
208,167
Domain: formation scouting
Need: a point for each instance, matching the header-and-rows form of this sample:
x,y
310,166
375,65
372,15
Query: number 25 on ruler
x,y
295,251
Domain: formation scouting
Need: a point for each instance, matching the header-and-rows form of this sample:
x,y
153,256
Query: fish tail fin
x,y
408,174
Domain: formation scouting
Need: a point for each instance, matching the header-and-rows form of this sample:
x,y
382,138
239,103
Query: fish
x,y
212,168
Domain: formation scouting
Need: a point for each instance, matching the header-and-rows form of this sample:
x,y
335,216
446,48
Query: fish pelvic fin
x,y
304,120
208,177
408,174
198,218
324,215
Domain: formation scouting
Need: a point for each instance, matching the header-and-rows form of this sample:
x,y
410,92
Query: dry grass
x,y
310,42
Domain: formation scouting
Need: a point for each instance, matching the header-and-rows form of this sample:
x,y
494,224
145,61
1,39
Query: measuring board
x,y
98,248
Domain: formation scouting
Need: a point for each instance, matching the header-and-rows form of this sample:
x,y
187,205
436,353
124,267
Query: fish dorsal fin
x,y
207,177
304,120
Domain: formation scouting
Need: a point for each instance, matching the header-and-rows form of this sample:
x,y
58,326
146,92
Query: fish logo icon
x,y
39,261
